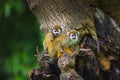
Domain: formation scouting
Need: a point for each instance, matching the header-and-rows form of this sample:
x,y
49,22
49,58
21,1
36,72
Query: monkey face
x,y
74,37
63,61
56,32
66,61
73,34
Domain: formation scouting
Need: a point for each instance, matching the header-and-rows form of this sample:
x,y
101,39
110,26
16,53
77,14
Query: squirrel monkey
x,y
66,64
88,28
68,42
55,32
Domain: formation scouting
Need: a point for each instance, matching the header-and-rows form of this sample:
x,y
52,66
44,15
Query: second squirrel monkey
x,y
68,42
66,64
55,32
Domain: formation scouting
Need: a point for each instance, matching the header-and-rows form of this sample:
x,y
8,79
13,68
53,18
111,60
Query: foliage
x,y
19,36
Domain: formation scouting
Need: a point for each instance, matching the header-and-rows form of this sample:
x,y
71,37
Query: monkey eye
x,y
59,30
75,34
56,30
72,35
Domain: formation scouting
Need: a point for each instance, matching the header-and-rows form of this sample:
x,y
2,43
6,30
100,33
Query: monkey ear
x,y
51,28
68,33
78,33
61,27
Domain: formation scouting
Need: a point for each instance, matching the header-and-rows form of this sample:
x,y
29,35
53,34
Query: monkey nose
x,y
57,34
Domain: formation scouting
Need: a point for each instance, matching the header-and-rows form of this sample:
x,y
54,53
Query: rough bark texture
x,y
67,13
112,7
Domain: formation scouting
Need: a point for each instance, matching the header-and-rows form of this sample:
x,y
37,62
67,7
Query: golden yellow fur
x,y
62,42
50,36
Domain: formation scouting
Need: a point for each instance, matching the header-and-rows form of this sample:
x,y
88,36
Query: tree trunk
x,y
73,14
67,13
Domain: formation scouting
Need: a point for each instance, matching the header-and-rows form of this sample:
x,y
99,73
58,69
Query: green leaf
x,y
7,10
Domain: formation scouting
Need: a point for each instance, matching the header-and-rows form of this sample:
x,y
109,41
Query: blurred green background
x,y
19,36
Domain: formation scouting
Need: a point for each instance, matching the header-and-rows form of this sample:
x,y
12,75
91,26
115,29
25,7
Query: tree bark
x,y
67,13
111,7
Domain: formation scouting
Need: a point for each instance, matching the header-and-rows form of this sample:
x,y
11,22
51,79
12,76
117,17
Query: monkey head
x,y
66,61
56,30
74,35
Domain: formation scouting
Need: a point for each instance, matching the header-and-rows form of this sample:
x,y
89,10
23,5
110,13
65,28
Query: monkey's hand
x,y
67,50
63,50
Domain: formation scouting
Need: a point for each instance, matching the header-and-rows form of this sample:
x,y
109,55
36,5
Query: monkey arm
x,y
63,49
67,50
59,54
54,46
75,50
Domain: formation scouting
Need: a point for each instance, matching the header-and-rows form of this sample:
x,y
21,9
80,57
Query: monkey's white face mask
x,y
56,32
73,37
